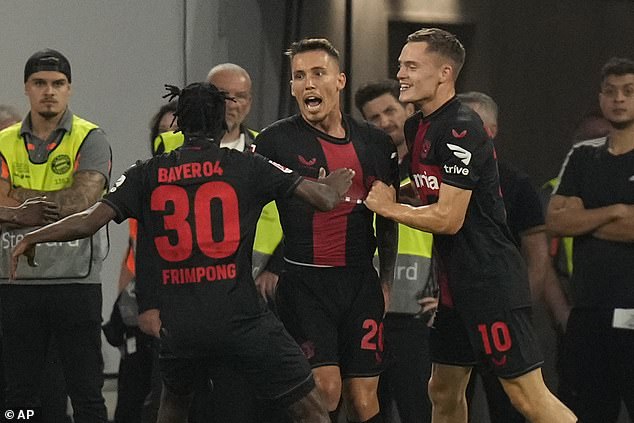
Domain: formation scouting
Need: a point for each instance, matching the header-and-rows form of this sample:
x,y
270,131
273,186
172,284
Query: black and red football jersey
x,y
197,208
345,235
451,146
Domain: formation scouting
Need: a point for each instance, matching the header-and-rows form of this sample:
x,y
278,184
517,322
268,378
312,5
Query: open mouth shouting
x,y
312,103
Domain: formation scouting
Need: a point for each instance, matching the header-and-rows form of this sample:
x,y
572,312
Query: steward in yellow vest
x,y
50,172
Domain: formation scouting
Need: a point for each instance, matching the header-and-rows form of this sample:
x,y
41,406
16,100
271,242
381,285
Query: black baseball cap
x,y
47,60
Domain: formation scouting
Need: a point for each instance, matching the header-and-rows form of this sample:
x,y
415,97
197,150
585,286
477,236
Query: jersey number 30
x,y
214,242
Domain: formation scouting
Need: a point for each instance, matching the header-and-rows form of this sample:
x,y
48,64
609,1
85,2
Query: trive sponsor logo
x,y
456,170
426,181
10,240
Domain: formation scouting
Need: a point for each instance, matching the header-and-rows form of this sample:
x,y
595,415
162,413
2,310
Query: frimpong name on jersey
x,y
55,260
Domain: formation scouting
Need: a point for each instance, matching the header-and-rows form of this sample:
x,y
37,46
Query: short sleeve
x,y
95,154
387,160
273,180
567,185
264,144
527,209
463,153
126,196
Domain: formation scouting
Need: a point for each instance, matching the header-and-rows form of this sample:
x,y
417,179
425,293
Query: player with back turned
x,y
198,207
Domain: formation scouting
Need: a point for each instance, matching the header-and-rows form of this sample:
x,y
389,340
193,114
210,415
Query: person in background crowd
x,y
403,384
594,204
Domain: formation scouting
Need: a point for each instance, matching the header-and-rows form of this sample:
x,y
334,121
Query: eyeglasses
x,y
240,98
612,91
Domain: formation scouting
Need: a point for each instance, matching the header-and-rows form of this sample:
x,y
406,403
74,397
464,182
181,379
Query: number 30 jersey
x,y
198,207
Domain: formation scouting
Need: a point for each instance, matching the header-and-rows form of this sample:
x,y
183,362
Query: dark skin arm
x,y
78,225
33,212
87,188
325,194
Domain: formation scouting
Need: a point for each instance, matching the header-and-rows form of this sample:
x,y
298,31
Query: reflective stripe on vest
x,y
565,241
54,174
412,272
268,233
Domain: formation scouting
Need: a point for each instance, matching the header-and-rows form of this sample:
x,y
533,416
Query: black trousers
x,y
407,369
134,382
30,316
597,366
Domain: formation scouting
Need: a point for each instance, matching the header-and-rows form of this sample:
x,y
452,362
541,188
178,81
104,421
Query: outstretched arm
x,y
78,225
327,192
444,217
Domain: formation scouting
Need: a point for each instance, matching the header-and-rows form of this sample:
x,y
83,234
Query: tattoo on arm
x,y
87,188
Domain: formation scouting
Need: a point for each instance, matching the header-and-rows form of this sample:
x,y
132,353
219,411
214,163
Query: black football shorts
x,y
336,316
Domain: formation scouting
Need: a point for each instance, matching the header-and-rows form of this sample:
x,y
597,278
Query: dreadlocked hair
x,y
200,109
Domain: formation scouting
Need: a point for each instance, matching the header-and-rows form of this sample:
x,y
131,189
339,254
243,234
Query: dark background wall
x,y
546,58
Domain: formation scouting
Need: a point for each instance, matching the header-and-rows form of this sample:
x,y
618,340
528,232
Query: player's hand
x,y
339,180
150,322
266,282
22,248
428,307
380,197
37,212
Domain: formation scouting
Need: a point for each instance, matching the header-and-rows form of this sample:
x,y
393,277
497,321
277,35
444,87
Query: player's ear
x,y
290,84
341,81
446,72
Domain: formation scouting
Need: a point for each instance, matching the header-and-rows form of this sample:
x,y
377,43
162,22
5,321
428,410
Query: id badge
x,y
623,318
130,345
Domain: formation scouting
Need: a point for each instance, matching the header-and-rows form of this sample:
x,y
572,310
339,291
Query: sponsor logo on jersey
x,y
425,180
461,153
456,170
304,162
459,135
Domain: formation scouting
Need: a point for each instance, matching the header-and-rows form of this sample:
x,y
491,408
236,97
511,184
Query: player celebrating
x,y
329,297
198,207
484,311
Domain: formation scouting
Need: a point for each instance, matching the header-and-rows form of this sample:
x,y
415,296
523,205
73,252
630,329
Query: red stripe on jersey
x,y
330,228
